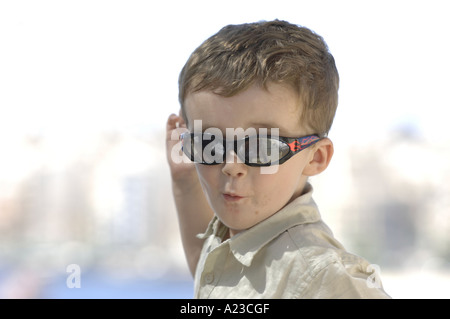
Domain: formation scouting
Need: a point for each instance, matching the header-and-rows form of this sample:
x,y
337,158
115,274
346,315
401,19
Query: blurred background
x,y
85,91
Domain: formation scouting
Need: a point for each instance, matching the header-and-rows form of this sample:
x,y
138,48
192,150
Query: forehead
x,y
276,106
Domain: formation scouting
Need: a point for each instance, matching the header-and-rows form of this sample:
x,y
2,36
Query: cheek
x,y
208,176
277,189
270,189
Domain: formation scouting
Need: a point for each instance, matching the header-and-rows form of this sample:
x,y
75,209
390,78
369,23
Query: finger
x,y
173,130
172,121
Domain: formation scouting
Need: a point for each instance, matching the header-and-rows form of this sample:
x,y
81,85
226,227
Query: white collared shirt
x,y
291,254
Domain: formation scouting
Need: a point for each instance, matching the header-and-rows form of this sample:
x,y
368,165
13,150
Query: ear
x,y
322,153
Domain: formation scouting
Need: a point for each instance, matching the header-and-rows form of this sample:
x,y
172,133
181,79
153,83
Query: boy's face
x,y
239,194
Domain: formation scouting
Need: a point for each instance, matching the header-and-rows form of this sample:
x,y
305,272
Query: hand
x,y
181,168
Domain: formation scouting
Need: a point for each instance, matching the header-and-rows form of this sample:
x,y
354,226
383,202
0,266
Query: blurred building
x,y
108,208
399,214
107,205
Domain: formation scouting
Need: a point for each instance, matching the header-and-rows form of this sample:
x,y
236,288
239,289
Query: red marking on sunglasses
x,y
297,145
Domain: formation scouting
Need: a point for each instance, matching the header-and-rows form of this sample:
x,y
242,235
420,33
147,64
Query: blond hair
x,y
239,56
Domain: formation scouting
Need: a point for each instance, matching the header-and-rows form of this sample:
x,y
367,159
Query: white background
x,y
72,69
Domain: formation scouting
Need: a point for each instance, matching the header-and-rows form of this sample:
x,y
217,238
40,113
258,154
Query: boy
x,y
249,225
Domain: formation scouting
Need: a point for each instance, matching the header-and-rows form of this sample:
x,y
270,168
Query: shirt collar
x,y
246,244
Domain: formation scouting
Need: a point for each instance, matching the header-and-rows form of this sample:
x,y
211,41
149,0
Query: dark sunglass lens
x,y
263,150
203,148
213,151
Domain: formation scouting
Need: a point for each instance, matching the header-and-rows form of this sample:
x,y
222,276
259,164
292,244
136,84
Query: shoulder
x,y
316,245
332,271
348,276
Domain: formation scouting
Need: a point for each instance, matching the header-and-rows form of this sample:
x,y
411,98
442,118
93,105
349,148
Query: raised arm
x,y
194,212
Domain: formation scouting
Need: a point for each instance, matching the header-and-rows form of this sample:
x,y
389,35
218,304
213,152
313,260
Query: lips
x,y
231,197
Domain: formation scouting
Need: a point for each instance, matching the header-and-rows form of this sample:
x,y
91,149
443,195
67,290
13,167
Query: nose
x,y
234,167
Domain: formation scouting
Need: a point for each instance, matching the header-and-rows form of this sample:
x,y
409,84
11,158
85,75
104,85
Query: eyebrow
x,y
257,125
269,127
262,124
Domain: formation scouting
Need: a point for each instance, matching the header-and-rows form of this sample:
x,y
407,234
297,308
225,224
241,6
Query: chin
x,y
235,223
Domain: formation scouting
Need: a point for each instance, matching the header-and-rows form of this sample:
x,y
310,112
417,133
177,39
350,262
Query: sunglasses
x,y
257,151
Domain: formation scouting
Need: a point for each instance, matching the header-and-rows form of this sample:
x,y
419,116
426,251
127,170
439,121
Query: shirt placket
x,y
213,269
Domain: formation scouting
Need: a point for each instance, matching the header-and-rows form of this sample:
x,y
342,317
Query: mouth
x,y
229,197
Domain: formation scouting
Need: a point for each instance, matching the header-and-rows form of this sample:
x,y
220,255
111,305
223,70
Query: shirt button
x,y
209,278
